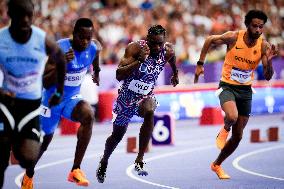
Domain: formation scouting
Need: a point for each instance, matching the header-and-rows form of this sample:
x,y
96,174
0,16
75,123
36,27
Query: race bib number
x,y
75,79
241,76
140,87
45,111
22,85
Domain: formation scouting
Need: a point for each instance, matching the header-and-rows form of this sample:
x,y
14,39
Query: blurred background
x,y
186,146
188,23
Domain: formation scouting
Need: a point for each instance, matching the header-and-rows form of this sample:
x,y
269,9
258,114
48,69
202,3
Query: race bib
x,y
45,111
140,87
241,76
23,84
75,79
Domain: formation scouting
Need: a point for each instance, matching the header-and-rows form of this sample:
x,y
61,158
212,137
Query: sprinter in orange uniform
x,y
245,49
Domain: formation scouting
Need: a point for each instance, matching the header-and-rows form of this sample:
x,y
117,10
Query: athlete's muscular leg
x,y
231,114
84,114
5,147
233,142
146,110
45,143
112,141
26,151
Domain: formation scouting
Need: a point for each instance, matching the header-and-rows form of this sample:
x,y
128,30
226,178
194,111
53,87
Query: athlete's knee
x,y
147,107
149,112
26,152
27,160
231,118
86,116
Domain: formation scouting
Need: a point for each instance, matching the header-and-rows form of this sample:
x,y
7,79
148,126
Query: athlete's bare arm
x,y
171,59
267,53
96,66
134,55
49,75
5,93
56,56
229,38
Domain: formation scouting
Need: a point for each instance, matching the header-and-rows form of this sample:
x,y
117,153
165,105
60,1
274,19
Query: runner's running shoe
x,y
78,177
219,171
221,138
101,172
27,182
140,169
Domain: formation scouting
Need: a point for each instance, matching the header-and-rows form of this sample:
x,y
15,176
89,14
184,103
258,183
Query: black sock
x,y
75,167
30,173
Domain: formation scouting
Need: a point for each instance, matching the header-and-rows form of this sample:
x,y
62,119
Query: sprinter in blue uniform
x,y
139,69
23,53
81,52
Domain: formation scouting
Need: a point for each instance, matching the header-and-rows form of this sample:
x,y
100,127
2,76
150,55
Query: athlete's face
x,y
255,28
155,43
21,18
82,38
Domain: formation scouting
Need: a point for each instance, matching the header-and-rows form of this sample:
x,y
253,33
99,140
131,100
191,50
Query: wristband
x,y
200,63
57,94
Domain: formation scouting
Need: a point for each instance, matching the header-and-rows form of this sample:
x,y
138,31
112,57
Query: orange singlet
x,y
241,61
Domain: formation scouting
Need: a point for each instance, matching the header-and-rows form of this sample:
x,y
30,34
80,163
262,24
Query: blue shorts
x,y
126,106
50,117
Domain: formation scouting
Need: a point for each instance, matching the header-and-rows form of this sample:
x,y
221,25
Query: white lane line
x,y
239,158
131,167
18,179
